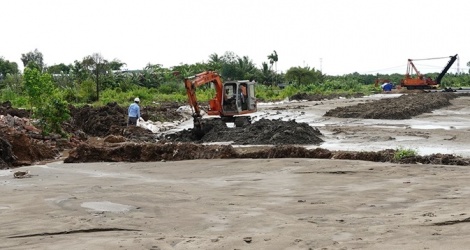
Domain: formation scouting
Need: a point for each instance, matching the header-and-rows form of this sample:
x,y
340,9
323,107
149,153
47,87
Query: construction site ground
x,y
109,191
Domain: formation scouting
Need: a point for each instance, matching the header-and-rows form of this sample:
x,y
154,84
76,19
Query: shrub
x,y
401,153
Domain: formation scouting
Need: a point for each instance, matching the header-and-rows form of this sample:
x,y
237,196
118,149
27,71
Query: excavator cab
x,y
238,101
239,98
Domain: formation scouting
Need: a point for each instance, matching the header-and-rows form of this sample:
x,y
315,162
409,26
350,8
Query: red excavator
x,y
233,100
415,80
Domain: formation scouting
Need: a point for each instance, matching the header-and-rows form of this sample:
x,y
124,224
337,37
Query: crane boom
x,y
446,68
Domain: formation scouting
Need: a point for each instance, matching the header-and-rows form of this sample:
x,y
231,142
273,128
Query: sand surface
x,y
256,204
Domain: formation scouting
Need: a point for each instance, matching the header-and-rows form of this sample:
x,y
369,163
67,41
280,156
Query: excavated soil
x,y
22,144
264,131
7,109
106,120
132,152
320,97
403,107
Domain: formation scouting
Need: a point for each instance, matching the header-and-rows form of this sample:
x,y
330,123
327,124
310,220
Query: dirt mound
x,y
441,159
403,107
26,150
97,121
7,109
112,118
6,154
319,97
131,152
163,112
264,131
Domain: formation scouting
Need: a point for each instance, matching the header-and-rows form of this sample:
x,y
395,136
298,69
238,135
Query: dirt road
x,y
236,204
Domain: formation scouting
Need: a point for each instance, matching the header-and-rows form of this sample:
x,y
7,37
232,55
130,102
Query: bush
x,y
401,153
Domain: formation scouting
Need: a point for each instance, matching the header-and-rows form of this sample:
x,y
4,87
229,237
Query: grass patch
x,y
401,153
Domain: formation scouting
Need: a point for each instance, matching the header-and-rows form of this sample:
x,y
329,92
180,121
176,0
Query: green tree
x,y
98,67
304,75
33,57
273,58
215,62
7,67
59,69
236,68
79,72
46,103
116,64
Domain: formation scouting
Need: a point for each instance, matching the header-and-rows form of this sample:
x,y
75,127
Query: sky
x,y
335,36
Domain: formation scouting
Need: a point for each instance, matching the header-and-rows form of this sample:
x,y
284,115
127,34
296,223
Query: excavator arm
x,y
192,83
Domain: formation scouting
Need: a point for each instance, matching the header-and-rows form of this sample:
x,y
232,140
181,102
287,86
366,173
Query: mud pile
x,y
403,107
21,143
163,112
6,154
112,118
319,97
7,109
132,152
21,147
264,131
98,121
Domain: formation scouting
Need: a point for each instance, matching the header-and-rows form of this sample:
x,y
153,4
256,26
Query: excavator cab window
x,y
229,99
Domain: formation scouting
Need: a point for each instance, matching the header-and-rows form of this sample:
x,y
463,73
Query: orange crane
x,y
233,100
415,80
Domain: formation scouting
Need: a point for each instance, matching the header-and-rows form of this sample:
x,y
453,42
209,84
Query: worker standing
x,y
387,87
134,112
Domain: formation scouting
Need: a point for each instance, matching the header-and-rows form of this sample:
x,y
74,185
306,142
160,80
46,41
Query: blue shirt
x,y
134,110
388,87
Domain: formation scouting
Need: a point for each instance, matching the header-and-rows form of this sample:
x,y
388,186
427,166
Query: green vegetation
x,y
401,153
45,101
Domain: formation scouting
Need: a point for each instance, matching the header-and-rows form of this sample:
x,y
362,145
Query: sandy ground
x,y
256,204
236,204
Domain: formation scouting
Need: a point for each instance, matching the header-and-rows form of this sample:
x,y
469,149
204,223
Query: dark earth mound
x,y
132,152
319,97
99,121
6,154
264,131
402,107
25,149
7,109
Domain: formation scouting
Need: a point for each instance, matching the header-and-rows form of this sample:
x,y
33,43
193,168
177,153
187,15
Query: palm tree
x,y
215,62
273,58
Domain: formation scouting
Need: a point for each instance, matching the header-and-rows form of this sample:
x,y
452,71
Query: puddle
x,y
106,206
